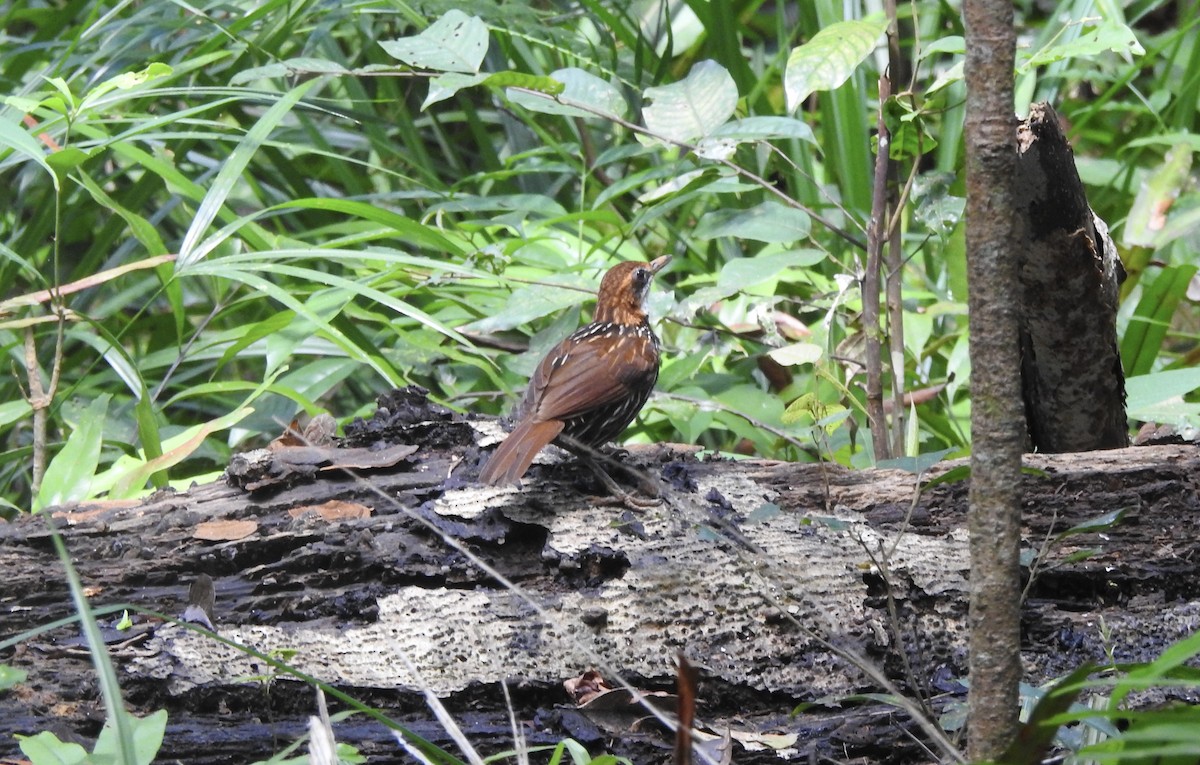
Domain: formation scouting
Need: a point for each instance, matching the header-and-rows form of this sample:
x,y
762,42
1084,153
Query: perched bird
x,y
590,386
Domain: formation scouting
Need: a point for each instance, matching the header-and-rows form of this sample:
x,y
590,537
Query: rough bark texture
x,y
746,591
997,424
1070,280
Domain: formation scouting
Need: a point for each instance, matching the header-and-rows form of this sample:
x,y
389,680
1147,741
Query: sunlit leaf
x,y
583,95
1108,36
830,57
69,475
797,354
1148,216
693,107
766,222
454,43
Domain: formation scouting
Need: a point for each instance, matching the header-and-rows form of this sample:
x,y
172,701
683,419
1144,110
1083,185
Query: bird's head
x,y
623,291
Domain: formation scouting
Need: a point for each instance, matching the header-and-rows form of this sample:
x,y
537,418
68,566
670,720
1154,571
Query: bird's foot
x,y
628,500
618,494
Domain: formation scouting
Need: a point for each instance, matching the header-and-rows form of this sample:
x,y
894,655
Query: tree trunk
x,y
997,424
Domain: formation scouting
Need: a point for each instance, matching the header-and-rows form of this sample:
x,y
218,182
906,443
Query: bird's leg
x,y
624,497
646,484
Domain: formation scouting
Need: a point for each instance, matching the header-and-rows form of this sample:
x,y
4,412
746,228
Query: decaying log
x,y
1070,274
754,570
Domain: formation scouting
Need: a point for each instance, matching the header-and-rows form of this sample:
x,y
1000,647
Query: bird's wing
x,y
580,375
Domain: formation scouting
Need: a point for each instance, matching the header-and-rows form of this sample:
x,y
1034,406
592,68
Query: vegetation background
x,y
217,216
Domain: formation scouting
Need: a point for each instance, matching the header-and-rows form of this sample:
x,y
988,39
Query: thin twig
x,y
872,325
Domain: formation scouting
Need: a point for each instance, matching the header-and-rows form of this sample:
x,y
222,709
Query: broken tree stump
x,y
1070,274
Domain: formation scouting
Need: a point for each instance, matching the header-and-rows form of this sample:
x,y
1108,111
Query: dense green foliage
x,y
275,214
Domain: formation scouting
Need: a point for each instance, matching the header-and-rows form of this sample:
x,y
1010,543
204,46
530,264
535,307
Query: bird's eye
x,y
642,276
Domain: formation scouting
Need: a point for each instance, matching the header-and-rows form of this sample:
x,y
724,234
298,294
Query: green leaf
x,y
599,98
68,478
1148,216
693,107
290,68
830,57
767,222
10,676
128,474
1108,36
11,411
15,137
1103,522
918,464
147,739
797,354
1158,397
743,273
526,304
1035,736
1150,320
46,749
67,159
764,128
191,250
454,43
444,86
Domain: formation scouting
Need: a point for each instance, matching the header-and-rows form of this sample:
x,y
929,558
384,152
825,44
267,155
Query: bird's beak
x,y
659,264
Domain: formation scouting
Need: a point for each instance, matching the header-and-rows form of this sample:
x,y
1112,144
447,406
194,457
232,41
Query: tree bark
x,y
997,424
768,576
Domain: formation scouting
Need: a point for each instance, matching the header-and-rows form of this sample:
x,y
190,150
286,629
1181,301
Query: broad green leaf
x,y
526,304
583,95
126,81
15,137
67,159
289,68
765,128
1148,216
744,273
46,749
68,478
1158,397
128,475
917,464
796,354
752,401
454,43
953,44
446,85
1108,36
677,183
767,222
829,58
693,107
147,739
11,411
10,676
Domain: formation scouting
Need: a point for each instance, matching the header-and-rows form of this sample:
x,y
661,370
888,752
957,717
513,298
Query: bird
x,y
591,385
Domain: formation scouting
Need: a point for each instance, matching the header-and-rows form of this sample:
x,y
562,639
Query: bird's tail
x,y
514,456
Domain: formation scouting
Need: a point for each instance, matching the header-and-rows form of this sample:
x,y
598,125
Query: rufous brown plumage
x,y
590,386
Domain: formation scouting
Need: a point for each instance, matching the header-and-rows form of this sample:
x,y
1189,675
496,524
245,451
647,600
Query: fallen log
x,y
774,579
